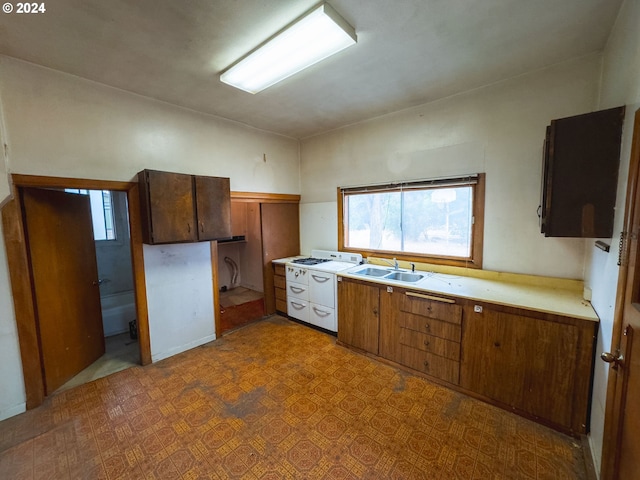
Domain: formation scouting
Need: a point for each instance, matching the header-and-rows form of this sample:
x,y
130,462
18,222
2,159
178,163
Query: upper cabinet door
x,y
167,204
580,174
213,207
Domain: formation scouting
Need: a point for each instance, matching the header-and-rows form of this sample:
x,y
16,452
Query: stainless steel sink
x,y
372,272
404,276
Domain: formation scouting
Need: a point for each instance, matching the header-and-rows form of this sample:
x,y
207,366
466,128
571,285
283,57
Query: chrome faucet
x,y
395,263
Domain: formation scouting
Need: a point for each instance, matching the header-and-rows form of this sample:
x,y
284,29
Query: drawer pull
x,y
427,327
430,297
426,365
320,279
321,313
426,343
296,289
298,306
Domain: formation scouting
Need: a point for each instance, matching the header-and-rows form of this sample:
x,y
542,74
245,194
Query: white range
x,y
312,290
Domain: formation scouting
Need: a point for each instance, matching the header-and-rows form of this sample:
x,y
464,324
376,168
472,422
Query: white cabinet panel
x,y
323,317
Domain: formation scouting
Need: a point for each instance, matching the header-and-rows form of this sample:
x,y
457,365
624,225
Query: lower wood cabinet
x,y
358,314
536,364
541,366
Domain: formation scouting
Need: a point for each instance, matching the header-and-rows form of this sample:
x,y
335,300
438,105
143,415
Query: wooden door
x,y
167,207
280,223
213,207
65,276
621,449
358,315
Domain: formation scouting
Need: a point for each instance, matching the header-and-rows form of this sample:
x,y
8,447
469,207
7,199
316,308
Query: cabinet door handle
x,y
320,279
375,311
188,227
201,227
297,305
426,343
296,289
426,365
429,297
427,326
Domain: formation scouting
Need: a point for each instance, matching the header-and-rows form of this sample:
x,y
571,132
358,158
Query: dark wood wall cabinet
x,y
580,175
180,208
536,364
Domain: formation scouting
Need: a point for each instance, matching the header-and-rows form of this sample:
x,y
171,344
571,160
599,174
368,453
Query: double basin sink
x,y
386,274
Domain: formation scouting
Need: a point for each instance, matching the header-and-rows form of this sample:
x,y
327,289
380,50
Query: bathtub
x,y
118,310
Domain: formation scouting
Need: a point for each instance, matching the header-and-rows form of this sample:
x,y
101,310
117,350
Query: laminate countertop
x,y
542,294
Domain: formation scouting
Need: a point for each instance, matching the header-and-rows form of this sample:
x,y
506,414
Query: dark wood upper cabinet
x,y
180,208
580,175
213,207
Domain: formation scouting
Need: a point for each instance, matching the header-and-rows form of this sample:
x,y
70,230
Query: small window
x,y
101,212
433,221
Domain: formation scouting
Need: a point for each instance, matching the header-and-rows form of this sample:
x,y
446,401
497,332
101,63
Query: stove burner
x,y
310,261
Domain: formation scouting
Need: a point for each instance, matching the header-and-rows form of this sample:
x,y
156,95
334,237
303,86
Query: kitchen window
x,y
432,221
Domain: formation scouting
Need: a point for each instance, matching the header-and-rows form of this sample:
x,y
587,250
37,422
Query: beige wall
x,y
498,129
60,125
620,86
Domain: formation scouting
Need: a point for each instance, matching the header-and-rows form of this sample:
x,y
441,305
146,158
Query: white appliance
x,y
312,289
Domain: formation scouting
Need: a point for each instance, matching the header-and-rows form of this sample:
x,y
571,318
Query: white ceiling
x,y
409,52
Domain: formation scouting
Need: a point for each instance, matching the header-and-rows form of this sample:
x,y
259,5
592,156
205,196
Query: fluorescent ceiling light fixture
x,y
311,38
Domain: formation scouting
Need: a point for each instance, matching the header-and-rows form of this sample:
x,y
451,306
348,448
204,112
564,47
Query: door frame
x,y
612,418
21,276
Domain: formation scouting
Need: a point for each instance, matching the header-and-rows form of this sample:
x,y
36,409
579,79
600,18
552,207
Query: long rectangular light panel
x,y
313,37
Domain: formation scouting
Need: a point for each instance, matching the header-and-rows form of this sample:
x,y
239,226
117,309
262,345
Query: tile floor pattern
x,y
276,400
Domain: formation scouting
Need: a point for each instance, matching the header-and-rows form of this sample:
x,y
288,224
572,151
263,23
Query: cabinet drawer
x,y
298,290
443,309
281,305
281,294
278,269
431,326
279,282
425,362
431,344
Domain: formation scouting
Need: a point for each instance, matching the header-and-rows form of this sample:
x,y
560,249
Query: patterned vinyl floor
x,y
276,400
